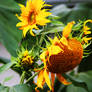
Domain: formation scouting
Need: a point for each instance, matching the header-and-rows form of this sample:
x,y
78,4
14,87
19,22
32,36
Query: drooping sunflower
x,y
60,57
63,55
32,14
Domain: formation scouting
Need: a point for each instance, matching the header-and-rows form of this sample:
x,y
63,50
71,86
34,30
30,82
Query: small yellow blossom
x,y
32,14
27,59
86,28
85,39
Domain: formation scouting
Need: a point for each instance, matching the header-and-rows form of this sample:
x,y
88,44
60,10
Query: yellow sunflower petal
x,y
40,79
38,4
52,81
20,24
87,39
36,90
44,57
53,50
47,5
43,13
20,18
46,76
89,20
42,21
25,30
86,28
62,79
87,32
21,5
68,28
64,41
31,32
55,40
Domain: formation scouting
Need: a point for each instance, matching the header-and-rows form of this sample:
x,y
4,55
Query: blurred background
x,y
10,36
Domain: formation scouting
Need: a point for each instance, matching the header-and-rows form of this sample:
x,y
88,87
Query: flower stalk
x,y
32,77
22,77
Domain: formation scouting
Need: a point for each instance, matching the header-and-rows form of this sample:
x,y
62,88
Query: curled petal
x,y
46,76
87,21
62,79
87,39
31,32
68,28
40,79
52,81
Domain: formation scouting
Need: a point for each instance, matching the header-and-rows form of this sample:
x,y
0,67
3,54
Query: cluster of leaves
x,y
10,37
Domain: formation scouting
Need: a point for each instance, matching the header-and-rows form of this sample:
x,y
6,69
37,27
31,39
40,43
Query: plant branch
x,y
32,77
22,77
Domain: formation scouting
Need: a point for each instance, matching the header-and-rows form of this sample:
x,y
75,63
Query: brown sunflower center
x,y
32,18
69,59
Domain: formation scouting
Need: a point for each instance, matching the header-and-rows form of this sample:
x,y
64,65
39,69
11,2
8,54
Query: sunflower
x,y
61,56
32,14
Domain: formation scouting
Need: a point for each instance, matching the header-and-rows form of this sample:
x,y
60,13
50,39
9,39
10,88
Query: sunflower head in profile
x,y
62,55
32,14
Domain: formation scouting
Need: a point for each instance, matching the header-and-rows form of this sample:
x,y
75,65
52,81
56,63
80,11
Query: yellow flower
x,y
86,28
32,14
85,39
27,59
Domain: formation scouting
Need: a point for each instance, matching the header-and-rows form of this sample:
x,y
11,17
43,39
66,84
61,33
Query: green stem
x,y
41,39
38,69
32,77
22,77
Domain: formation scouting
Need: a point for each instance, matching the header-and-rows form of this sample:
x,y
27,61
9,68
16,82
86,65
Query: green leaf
x,y
21,88
4,89
53,29
10,36
79,12
9,5
5,67
3,60
72,88
21,1
85,77
16,88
